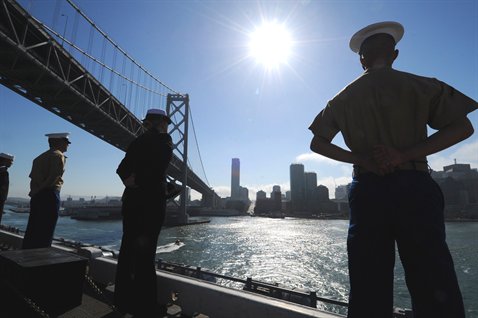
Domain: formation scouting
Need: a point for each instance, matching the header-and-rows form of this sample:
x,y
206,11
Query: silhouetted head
x,y
375,43
157,118
59,141
6,159
378,49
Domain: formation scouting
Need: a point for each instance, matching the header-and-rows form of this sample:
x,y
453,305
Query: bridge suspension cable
x,y
197,147
129,79
107,38
91,85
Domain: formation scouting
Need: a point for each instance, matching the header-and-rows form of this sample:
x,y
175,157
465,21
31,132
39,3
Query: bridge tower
x,y
177,108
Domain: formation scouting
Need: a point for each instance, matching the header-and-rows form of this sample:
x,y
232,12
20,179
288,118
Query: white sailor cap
x,y
394,29
59,136
6,156
157,112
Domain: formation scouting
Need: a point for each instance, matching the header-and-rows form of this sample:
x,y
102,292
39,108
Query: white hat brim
x,y
394,29
6,156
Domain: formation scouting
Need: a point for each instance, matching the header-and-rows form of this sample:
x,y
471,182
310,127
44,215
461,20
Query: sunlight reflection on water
x,y
296,253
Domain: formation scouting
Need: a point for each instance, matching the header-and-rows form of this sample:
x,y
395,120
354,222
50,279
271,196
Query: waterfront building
x,y
276,198
275,189
341,192
326,207
268,206
237,192
459,184
311,198
243,194
297,187
261,195
235,178
239,199
323,193
287,195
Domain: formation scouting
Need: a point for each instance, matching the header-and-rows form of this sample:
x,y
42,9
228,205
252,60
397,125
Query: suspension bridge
x,y
89,80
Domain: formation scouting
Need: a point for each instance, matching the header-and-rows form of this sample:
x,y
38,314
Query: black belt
x,y
407,166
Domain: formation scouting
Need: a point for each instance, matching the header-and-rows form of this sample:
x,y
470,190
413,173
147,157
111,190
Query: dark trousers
x,y
135,286
44,209
2,204
406,208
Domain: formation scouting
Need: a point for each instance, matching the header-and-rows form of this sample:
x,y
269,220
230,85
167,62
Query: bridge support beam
x,y
178,110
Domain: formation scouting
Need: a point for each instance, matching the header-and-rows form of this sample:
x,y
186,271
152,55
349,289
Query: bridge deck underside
x,y
37,67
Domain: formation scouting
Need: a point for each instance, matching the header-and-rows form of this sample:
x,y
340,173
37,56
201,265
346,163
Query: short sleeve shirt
x,y
47,171
386,106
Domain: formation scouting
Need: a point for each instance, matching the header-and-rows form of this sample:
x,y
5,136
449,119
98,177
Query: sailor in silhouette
x,y
45,185
383,117
143,172
6,161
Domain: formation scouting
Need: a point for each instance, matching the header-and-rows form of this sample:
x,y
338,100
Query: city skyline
x,y
242,107
309,181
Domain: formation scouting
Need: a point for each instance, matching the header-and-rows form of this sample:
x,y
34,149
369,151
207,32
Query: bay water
x,y
296,253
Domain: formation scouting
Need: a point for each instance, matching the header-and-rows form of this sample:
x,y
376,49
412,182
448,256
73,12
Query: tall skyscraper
x,y
297,186
235,179
310,191
310,185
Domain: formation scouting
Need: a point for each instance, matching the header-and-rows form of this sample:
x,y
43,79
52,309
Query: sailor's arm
x,y
325,147
448,136
125,169
56,167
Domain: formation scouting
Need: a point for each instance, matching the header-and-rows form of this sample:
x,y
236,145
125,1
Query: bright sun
x,y
271,44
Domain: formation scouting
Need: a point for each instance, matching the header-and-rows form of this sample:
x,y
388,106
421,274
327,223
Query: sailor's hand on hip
x,y
388,158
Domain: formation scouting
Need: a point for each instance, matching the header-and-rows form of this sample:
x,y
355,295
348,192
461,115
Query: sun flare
x,y
270,44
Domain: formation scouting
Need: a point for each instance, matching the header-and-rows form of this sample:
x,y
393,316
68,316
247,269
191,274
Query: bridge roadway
x,y
36,66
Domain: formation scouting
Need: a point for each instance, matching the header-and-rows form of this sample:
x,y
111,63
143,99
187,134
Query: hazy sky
x,y
241,106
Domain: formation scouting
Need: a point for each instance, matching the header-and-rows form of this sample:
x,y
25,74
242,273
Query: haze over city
x,y
247,102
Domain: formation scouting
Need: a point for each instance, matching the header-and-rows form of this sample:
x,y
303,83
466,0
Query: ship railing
x,y
191,291
272,290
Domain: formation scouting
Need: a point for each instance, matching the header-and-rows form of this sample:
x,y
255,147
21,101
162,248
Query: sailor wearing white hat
x,y
155,113
143,172
7,156
6,161
64,136
383,117
45,185
394,29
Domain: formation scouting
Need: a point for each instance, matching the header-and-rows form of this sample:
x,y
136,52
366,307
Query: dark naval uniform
x,y
4,183
143,210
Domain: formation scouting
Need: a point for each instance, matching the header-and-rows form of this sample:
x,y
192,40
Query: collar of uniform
x,y
378,68
59,152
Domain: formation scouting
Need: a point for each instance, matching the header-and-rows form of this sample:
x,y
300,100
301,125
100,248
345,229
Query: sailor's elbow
x,y
315,144
468,129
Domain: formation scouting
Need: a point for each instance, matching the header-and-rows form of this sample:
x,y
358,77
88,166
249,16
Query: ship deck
x,y
96,302
184,291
